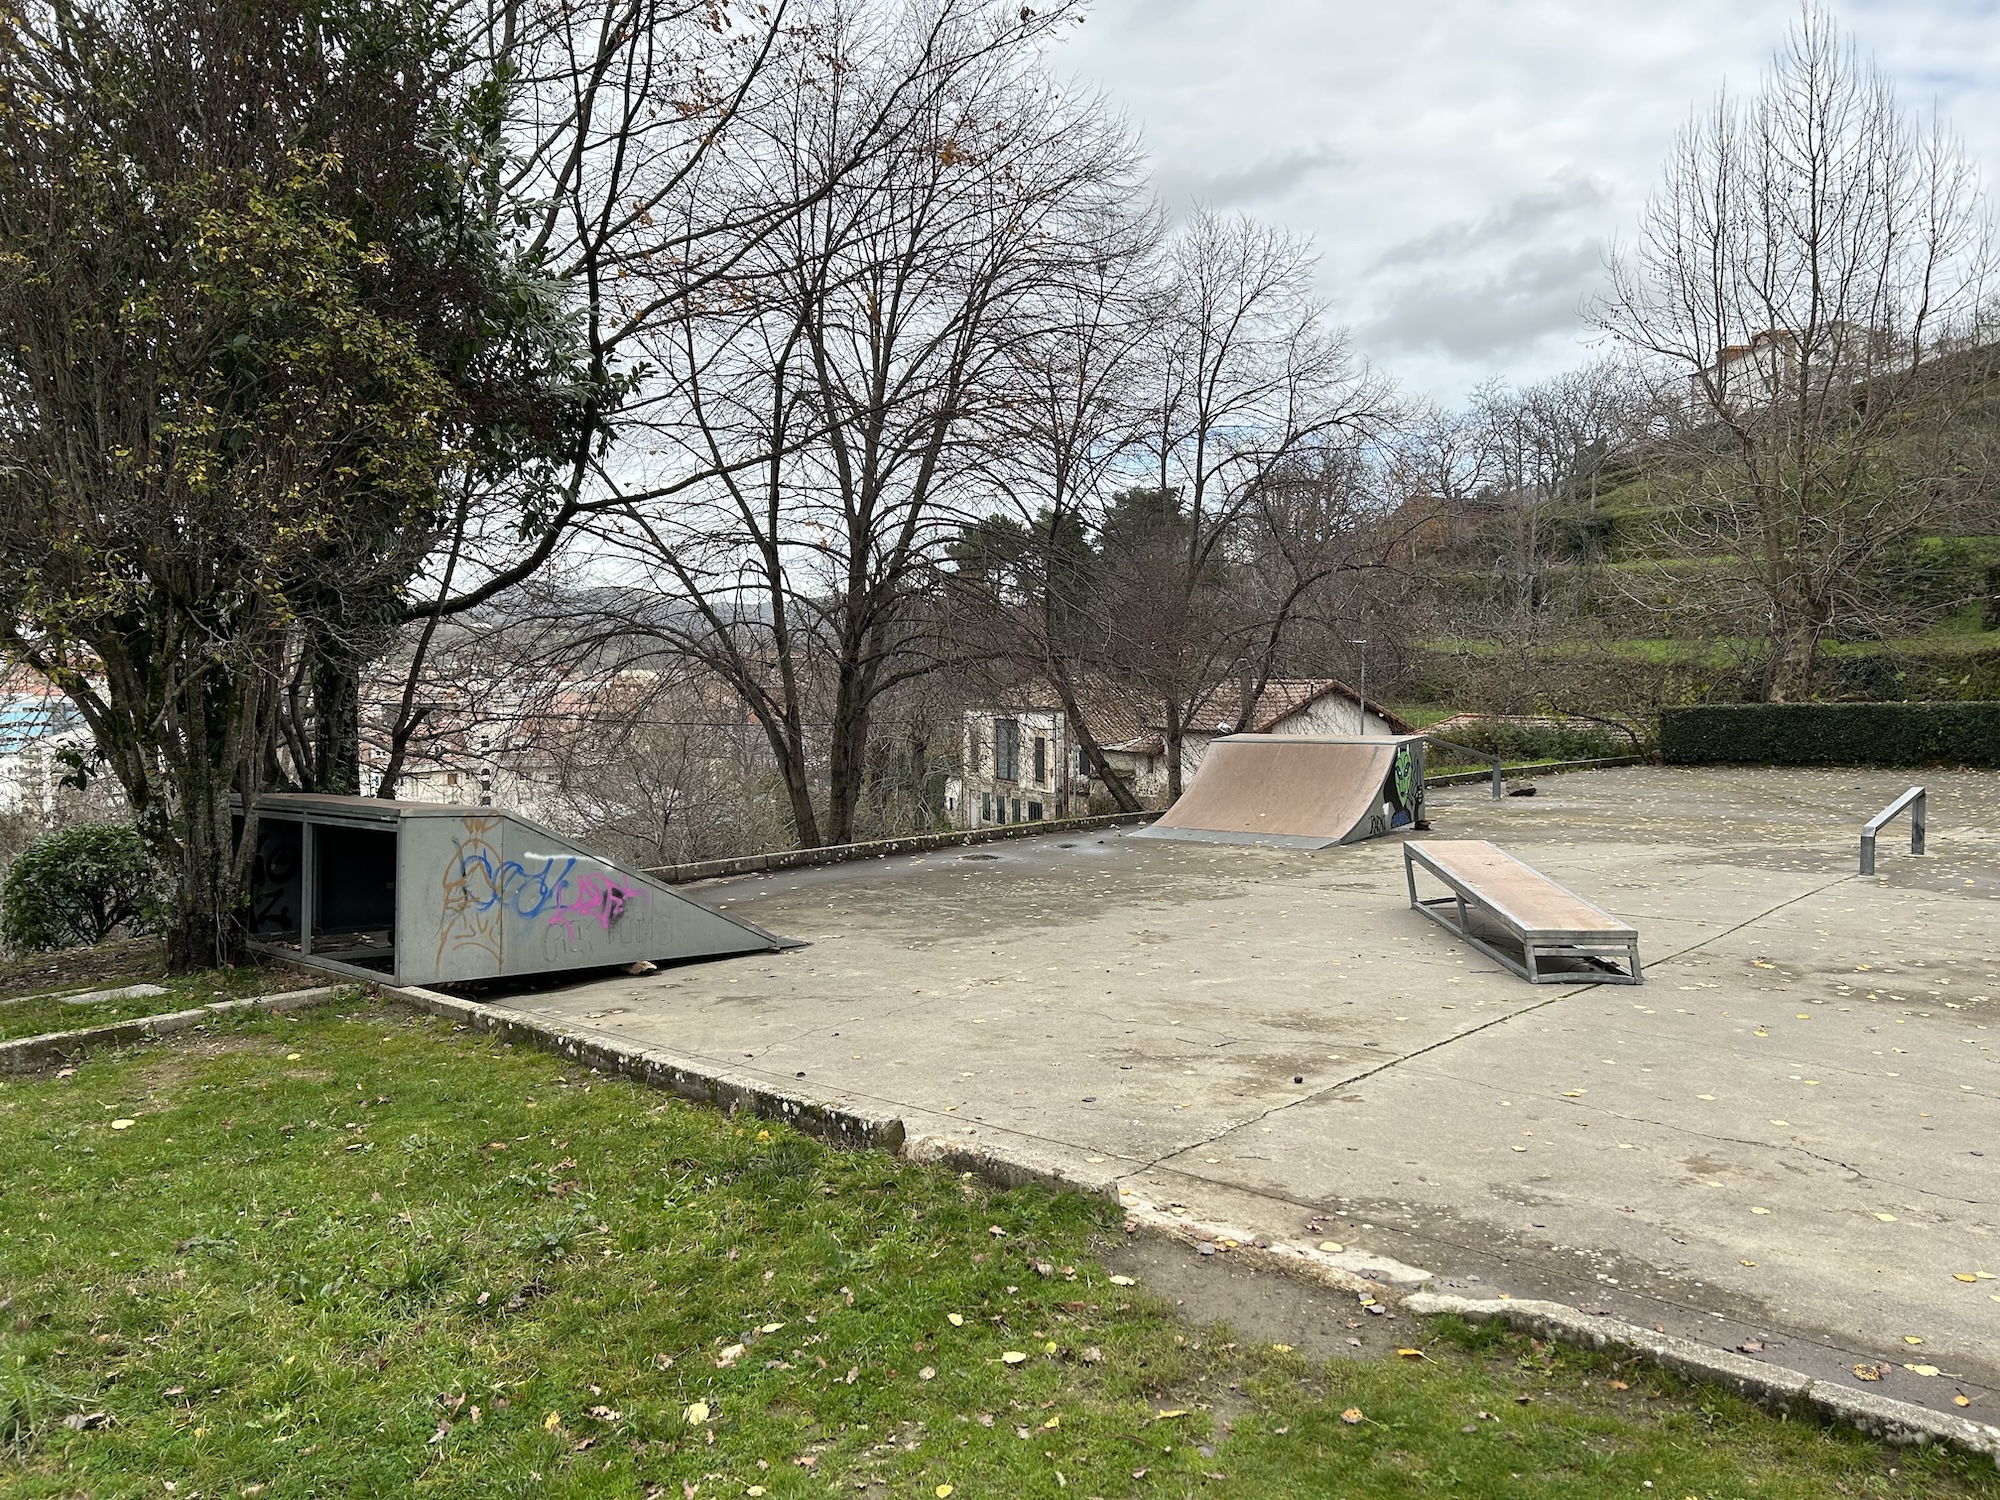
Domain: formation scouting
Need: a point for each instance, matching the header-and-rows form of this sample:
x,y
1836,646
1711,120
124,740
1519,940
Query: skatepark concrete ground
x,y
1787,1139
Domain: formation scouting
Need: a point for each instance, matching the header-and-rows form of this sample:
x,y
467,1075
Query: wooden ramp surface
x,y
1519,894
1306,790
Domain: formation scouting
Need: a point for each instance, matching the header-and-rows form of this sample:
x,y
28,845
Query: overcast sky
x,y
1462,165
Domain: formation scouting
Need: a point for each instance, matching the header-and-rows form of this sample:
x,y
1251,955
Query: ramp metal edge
x,y
1214,836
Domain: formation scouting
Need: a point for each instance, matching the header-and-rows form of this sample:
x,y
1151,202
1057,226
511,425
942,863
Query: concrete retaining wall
x,y
798,859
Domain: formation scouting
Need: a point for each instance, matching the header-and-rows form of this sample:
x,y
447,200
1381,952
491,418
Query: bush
x,y
1527,742
75,886
1832,734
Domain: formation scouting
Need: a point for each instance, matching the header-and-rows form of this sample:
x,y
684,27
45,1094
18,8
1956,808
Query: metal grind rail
x,y
1913,799
1470,753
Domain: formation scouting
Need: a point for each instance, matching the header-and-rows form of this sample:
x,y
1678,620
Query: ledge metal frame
x,y
1603,949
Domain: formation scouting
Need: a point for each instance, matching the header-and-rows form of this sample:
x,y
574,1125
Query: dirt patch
x,y
1259,1303
128,960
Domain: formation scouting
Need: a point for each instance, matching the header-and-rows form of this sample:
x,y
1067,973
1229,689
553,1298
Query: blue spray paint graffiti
x,y
525,892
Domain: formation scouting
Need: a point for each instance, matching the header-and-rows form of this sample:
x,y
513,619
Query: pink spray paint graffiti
x,y
600,898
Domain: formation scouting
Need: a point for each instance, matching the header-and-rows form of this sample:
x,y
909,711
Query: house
x,y
1295,705
1016,765
1025,764
40,733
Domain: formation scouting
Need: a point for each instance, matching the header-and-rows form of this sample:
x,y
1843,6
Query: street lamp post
x,y
1361,708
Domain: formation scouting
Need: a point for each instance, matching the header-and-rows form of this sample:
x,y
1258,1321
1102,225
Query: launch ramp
x,y
1299,791
422,893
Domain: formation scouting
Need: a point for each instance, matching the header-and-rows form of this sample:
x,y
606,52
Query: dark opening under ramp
x,y
1299,791
422,893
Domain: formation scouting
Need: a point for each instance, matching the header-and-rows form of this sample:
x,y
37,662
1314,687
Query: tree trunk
x,y
1788,675
1175,733
336,690
1101,768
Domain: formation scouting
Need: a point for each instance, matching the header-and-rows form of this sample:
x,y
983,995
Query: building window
x,y
1041,761
1034,812
1017,809
986,807
975,750
1006,750
1083,765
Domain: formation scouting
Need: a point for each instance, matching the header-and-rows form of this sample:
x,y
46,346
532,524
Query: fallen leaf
x,y
1520,1148
996,1231
1352,1416
696,1413
1911,1338
1053,1422
1961,1399
957,1320
1868,1372
1750,1263
1331,1247
1411,1353
928,1372
601,1413
1619,1385
1170,1412
1886,1218
942,1491
1760,1210
1013,1357
1709,1097
123,1124
1123,1281
1282,1348
552,1421
1963,1276
771,1328
1574,1094
1921,1369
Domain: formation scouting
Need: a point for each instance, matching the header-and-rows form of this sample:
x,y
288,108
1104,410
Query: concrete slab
x,y
1787,1137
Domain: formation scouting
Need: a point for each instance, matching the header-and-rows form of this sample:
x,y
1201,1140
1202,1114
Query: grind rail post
x,y
1913,799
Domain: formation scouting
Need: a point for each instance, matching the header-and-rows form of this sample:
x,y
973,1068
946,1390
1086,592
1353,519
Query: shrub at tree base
x,y
1832,734
75,886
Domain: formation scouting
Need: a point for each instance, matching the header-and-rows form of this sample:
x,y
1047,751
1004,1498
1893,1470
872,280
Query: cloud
x,y
1493,318
1518,220
1273,177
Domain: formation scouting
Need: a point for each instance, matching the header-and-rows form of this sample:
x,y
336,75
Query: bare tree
x,y
1031,578
1809,273
836,396
640,142
1244,388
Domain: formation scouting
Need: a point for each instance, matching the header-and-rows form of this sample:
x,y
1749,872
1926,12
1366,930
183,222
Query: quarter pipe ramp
x,y
1299,791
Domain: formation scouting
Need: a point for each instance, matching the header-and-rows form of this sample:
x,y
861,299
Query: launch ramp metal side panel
x,y
1299,791
428,894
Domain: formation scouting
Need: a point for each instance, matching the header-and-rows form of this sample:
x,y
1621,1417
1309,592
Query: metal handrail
x,y
1493,760
1912,799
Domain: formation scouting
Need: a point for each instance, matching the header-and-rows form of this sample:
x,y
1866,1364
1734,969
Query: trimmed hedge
x,y
1832,734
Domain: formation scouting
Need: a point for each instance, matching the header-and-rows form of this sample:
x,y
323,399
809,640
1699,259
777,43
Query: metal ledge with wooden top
x,y
1562,938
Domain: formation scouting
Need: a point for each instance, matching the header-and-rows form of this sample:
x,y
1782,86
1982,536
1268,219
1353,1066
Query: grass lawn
x,y
36,989
363,1254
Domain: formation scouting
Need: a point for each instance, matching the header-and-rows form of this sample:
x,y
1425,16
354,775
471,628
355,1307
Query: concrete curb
x,y
1516,773
30,1054
920,843
1898,1422
738,1093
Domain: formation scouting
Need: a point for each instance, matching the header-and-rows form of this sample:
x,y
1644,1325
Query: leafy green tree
x,y
209,421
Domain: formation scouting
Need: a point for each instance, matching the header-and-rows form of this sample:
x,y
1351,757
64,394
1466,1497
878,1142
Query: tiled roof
x,y
1124,721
